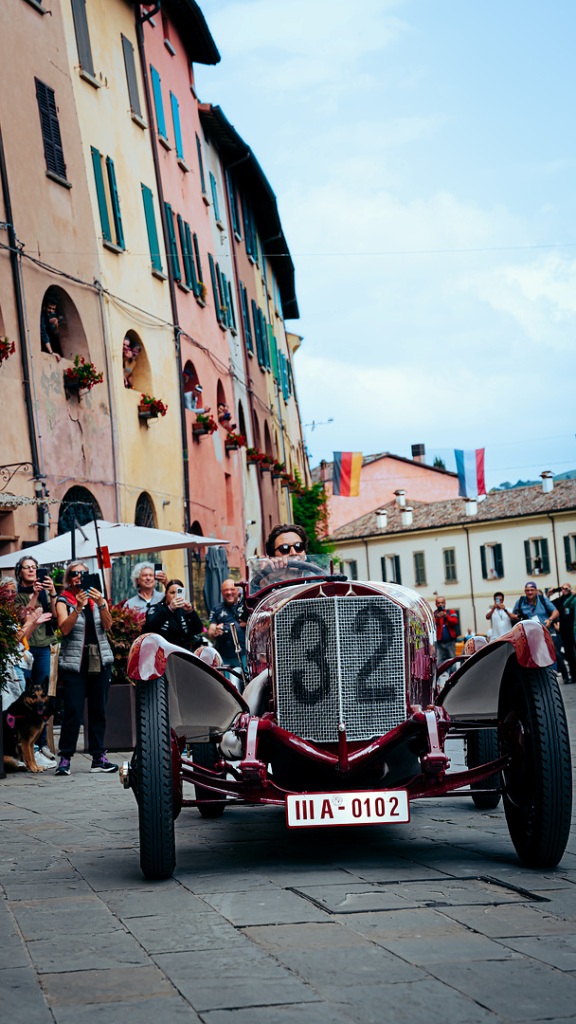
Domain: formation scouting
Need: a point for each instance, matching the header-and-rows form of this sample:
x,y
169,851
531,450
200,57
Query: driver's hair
x,y
284,528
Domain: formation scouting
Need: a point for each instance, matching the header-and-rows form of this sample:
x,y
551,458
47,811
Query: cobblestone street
x,y
427,922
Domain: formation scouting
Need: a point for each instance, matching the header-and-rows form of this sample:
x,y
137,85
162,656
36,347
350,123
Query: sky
x,y
424,160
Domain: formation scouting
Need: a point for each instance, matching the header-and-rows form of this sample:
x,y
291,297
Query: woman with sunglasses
x,y
85,668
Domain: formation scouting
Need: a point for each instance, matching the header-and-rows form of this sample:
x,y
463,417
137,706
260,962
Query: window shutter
x,y
567,553
82,36
101,194
197,255
273,352
265,344
158,104
191,269
528,557
177,129
383,567
132,81
483,562
50,127
115,202
246,319
214,287
232,317
544,553
233,203
172,248
498,561
201,165
397,573
214,191
186,257
151,228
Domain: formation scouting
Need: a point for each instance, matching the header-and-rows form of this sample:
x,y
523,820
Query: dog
x,y
22,724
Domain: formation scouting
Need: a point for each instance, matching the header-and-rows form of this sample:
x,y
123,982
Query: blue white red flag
x,y
470,469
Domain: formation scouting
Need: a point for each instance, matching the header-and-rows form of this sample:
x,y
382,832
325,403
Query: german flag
x,y
346,474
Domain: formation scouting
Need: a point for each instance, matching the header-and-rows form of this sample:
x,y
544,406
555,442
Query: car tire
x,y
154,780
204,755
537,785
481,748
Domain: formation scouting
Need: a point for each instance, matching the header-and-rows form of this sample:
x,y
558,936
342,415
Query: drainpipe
x,y
113,418
43,529
140,19
465,528
551,518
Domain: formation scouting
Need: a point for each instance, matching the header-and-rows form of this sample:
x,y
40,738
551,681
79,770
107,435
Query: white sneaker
x,y
44,762
46,752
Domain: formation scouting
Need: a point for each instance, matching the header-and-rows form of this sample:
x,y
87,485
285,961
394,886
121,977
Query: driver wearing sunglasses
x,y
287,541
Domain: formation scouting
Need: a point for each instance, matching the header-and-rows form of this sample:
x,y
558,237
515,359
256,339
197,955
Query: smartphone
x,y
42,574
180,592
91,579
158,567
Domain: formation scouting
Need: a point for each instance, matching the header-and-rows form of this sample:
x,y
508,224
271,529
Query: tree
x,y
310,510
439,463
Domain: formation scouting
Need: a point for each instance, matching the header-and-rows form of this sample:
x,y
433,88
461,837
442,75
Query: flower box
x,y
7,348
147,414
151,408
82,376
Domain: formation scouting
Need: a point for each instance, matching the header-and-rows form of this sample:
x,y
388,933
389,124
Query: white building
x,y
466,550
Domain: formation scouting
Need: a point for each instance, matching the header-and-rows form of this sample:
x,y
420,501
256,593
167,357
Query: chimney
x,y
381,518
471,506
406,516
547,481
419,452
400,498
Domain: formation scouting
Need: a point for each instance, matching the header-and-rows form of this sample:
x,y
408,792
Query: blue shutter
x,y
177,130
115,202
214,191
201,165
232,314
233,204
158,104
214,287
172,247
256,320
186,259
273,347
151,228
101,194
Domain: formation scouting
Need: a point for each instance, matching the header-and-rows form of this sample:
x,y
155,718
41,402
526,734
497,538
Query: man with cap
x,y
534,606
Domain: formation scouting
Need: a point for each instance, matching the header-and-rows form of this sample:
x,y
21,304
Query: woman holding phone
x,y
174,618
36,590
85,667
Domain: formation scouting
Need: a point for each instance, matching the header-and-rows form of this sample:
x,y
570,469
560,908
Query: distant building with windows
x,y
467,550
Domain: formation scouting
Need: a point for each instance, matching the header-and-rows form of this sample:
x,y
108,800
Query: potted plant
x,y
234,441
7,347
201,292
150,408
266,463
81,376
254,456
205,424
278,468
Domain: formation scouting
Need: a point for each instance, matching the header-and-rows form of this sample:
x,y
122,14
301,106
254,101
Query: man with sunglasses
x,y
287,541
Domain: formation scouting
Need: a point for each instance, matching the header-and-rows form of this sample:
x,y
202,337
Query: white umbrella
x,y
119,538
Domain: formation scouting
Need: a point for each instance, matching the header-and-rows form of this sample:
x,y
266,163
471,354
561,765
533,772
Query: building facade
x,y
439,548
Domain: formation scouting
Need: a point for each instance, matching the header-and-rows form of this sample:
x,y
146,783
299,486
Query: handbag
x,y
94,662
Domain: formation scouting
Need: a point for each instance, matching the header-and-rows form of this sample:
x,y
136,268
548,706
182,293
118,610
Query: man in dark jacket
x,y
229,612
446,620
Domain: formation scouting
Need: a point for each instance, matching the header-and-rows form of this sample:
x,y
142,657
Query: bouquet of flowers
x,y
6,349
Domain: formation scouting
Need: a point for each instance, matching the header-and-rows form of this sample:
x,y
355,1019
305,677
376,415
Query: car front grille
x,y
339,659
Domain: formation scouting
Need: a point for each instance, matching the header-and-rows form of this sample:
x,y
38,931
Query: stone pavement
x,y
430,922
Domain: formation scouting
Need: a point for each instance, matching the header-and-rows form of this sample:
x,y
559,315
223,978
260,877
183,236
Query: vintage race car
x,y
344,718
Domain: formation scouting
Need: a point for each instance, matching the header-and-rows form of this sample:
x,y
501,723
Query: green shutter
x,y
528,557
193,284
214,191
484,562
498,560
177,129
197,255
246,319
397,573
151,228
544,554
568,553
101,194
383,566
273,346
115,202
158,104
231,313
186,259
214,287
172,246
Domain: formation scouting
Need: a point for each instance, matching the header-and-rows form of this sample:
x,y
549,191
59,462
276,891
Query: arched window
x,y
80,505
267,441
135,364
241,420
257,437
144,514
61,329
